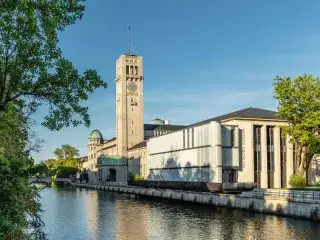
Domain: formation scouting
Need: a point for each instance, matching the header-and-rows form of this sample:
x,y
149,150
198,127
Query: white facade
x,y
223,152
192,154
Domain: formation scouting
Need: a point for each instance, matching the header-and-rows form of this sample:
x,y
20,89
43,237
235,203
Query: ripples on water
x,y
91,214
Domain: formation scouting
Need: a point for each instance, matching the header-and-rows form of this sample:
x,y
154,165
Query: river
x,y
72,214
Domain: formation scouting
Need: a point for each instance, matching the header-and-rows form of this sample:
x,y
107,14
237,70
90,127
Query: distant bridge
x,y
48,181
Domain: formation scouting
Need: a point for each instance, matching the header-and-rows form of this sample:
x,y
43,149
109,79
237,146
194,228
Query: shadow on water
x,y
91,214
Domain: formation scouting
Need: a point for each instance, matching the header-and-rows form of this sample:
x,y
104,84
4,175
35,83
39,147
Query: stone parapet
x,y
299,208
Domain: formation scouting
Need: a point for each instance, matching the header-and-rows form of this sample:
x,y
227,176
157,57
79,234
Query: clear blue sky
x,y
201,58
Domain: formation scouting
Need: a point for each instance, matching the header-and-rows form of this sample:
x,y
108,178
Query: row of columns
x,y
277,158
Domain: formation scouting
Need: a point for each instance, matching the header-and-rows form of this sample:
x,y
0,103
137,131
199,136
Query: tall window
x,y
136,70
257,153
232,131
283,159
192,137
127,69
184,140
188,138
270,156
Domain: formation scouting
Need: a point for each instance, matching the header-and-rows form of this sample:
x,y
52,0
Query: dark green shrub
x,y
297,180
135,177
65,172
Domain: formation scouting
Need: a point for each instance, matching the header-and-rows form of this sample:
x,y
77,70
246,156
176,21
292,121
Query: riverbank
x,y
278,205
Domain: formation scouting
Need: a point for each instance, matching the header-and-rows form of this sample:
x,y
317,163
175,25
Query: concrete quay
x,y
269,204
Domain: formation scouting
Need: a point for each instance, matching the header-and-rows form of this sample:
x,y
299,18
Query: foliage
x,y
40,170
66,152
52,172
297,180
65,157
65,171
299,104
34,73
135,177
32,65
19,204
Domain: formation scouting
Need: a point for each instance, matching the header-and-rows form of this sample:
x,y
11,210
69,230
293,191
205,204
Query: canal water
x,y
72,213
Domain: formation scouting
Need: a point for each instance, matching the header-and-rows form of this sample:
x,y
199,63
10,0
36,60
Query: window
x,y
232,132
270,148
184,142
270,156
283,159
192,137
131,70
257,154
132,132
136,70
132,122
188,138
127,69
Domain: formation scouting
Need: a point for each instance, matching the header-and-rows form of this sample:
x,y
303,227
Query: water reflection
x,y
90,214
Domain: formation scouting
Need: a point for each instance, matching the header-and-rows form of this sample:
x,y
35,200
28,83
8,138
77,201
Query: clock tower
x,y
129,102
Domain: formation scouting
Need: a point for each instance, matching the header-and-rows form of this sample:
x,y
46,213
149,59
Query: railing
x,y
288,194
49,180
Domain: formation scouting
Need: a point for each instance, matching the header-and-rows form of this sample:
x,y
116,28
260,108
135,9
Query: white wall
x,y
202,148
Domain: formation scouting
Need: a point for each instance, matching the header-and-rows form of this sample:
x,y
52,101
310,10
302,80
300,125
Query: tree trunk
x,y
298,160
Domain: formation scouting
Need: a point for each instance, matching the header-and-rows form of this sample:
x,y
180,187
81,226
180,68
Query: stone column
x,y
289,160
264,169
277,161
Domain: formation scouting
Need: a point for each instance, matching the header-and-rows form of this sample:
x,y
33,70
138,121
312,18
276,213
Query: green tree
x,y
66,152
32,67
19,205
34,73
299,104
40,170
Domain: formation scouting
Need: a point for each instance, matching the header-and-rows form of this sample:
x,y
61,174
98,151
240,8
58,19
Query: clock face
x,y
132,87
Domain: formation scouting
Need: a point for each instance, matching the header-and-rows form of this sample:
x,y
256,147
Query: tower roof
x,y
157,121
96,134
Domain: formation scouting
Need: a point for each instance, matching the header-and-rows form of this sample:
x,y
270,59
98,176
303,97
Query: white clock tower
x,y
129,102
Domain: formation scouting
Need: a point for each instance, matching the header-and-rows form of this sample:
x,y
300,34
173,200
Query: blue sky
x,y
201,58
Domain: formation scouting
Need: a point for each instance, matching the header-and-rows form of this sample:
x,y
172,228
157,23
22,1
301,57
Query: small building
x,y
137,159
112,169
245,146
83,163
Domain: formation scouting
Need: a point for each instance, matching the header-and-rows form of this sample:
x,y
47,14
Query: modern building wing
x,y
242,146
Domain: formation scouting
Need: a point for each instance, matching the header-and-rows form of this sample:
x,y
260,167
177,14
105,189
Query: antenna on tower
x,y
129,38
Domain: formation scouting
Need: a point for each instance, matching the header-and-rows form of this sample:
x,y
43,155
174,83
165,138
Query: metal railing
x,y
288,194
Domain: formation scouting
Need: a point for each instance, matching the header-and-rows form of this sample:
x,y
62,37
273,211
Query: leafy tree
x,y
40,170
299,104
66,152
66,171
32,66
19,206
34,73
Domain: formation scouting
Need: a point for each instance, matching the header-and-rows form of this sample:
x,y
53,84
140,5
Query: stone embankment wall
x,y
300,208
